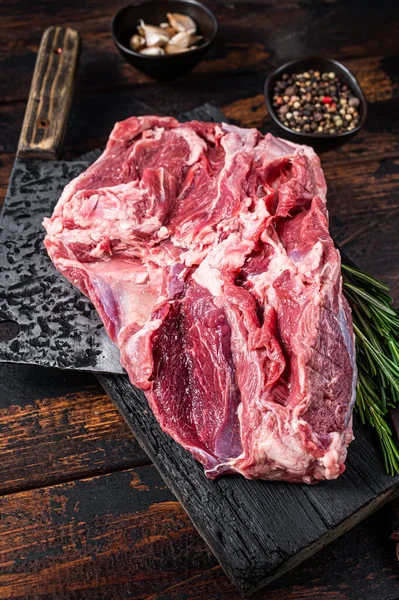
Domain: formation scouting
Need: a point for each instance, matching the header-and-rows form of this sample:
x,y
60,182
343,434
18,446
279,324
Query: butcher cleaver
x,y
44,320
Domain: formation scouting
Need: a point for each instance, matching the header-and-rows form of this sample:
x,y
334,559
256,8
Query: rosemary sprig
x,y
376,327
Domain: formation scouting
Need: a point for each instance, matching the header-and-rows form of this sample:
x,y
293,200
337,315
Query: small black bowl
x,y
320,141
167,67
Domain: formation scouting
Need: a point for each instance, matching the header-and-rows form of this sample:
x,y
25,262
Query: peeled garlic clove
x,y
136,42
169,49
183,40
180,40
154,36
153,51
181,22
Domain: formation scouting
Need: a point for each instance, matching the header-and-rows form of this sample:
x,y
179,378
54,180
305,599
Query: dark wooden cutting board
x,y
257,529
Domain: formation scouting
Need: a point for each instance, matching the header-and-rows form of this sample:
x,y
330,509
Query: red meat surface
x,y
205,249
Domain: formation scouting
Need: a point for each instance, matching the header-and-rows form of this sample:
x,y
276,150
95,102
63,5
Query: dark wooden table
x,y
83,513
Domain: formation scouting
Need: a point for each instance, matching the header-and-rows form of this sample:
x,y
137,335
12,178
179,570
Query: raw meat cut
x,y
205,249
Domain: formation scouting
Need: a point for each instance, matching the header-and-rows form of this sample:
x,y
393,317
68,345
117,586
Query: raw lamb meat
x,y
205,250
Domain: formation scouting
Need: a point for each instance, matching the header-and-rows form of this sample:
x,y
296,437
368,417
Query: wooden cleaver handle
x,y
50,96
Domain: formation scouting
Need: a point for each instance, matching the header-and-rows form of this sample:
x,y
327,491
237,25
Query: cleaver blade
x,y
44,320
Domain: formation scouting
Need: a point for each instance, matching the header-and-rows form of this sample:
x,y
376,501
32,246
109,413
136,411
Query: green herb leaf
x,y
376,327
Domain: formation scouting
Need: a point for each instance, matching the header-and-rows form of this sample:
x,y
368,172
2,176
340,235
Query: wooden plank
x,y
230,513
258,531
357,566
363,201
58,426
124,536
249,57
377,76
253,36
116,536
243,522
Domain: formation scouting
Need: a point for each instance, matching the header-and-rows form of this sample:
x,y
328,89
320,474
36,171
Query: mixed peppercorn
x,y
314,102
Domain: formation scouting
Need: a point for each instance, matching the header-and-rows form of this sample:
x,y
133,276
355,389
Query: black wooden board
x,y
257,529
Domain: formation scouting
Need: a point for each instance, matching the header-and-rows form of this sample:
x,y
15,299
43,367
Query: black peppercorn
x,y
315,102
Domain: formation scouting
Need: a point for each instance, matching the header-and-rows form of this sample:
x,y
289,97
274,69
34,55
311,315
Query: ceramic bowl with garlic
x,y
164,39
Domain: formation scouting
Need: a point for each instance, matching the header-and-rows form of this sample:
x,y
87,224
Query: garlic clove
x,y
153,51
169,49
181,22
183,40
154,36
136,42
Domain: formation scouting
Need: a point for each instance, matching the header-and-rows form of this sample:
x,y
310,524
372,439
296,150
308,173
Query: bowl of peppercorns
x,y
316,101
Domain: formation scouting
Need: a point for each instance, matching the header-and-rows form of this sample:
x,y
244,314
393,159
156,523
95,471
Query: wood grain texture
x,y
253,551
254,36
351,568
58,426
257,530
123,536
273,556
50,96
363,202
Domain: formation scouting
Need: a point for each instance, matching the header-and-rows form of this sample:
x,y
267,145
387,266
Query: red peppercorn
x,y
280,100
327,100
